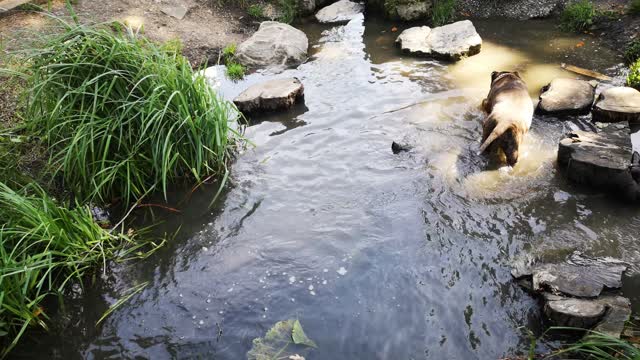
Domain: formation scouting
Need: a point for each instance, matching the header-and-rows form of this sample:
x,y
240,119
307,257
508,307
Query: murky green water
x,y
380,256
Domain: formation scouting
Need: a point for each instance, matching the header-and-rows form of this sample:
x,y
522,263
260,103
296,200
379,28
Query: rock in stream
x,y
279,94
617,104
450,42
275,45
341,11
567,97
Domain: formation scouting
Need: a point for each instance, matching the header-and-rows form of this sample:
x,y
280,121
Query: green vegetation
x,y
256,11
122,116
633,79
632,53
578,16
289,9
44,246
634,7
284,340
444,12
600,346
235,71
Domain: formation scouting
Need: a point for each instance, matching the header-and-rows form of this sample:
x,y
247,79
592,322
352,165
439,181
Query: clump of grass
x,y
256,11
578,16
124,116
632,53
634,7
633,79
444,12
600,346
235,71
44,246
289,11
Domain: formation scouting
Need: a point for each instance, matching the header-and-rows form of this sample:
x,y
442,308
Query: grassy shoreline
x,y
118,117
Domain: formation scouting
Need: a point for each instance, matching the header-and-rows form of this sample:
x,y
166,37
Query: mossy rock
x,y
408,10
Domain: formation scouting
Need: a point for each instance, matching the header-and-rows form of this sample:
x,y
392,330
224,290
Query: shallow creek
x,y
380,256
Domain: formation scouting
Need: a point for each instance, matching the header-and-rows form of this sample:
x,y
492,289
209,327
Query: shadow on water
x,y
380,256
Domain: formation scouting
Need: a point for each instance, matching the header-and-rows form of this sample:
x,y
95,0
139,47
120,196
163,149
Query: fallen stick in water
x,y
585,72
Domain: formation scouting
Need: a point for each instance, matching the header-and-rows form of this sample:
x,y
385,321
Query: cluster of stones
x,y
602,159
277,46
579,293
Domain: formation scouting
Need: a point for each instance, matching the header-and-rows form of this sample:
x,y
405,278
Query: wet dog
x,y
510,111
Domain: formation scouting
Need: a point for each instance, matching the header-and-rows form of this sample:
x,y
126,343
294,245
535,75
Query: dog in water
x,y
510,111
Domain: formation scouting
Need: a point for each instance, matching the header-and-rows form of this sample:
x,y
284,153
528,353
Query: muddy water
x,y
380,256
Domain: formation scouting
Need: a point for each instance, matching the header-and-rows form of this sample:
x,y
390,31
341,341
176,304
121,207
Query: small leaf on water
x,y
299,337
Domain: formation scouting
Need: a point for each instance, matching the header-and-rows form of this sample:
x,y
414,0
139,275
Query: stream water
x,y
380,256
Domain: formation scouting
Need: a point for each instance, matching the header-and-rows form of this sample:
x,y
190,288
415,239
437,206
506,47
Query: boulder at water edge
x,y
617,104
600,160
414,10
450,42
279,94
341,11
274,45
567,97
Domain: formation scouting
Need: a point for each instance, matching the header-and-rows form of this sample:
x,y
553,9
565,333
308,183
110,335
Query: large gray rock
x,y
279,94
414,10
567,97
618,313
580,275
275,45
600,160
617,104
572,312
450,42
341,11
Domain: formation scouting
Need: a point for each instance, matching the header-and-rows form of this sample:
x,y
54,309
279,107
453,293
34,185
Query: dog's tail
x,y
500,129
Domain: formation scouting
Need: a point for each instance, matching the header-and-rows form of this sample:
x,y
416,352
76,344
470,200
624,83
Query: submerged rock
x,y
397,148
341,11
617,104
579,275
600,160
450,42
567,97
274,45
279,94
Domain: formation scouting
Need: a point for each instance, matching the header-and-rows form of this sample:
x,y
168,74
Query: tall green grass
x,y
578,16
444,12
44,246
598,346
123,116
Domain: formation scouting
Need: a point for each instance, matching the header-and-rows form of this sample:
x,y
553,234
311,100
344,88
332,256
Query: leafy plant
x,y
122,115
229,52
288,9
444,12
578,16
235,71
44,246
285,336
256,11
632,53
600,346
633,79
634,7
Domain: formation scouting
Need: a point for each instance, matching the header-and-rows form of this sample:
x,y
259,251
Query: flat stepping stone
x,y
451,42
273,95
617,104
579,276
341,11
601,160
572,312
618,313
275,45
567,97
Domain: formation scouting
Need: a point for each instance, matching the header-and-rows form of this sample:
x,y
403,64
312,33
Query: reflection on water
x,y
380,256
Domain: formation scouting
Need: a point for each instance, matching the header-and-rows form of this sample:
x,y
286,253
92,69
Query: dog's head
x,y
500,74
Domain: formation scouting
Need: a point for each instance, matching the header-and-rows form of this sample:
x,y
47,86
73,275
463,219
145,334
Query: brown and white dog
x,y
510,111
